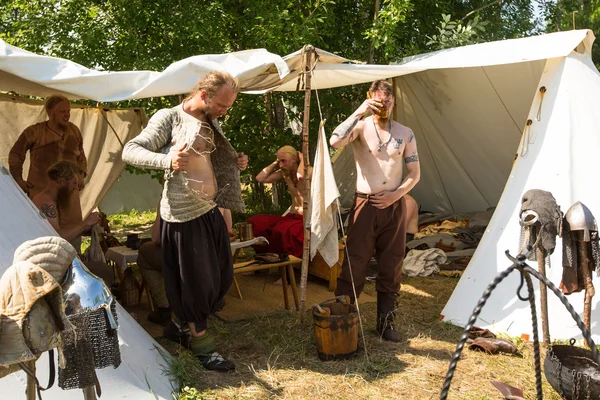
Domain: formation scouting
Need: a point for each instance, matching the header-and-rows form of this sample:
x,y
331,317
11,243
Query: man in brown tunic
x,y
48,142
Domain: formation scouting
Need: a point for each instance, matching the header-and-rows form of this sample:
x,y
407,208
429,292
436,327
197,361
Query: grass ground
x,y
276,358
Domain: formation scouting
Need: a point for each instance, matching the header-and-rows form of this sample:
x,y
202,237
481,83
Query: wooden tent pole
x,y
541,259
31,388
308,55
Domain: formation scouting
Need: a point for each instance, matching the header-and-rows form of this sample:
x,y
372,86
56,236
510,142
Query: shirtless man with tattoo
x,y
64,178
377,223
202,173
284,233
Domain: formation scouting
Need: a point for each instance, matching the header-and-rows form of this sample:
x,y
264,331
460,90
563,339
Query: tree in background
x,y
564,15
151,34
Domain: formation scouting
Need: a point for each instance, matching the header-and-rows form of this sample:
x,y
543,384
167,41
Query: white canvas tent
x,y
140,376
104,132
468,108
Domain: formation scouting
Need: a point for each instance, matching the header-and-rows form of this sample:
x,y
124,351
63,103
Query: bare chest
x,y
203,141
381,143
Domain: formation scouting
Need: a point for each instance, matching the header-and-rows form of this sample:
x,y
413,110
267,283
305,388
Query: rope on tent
x,y
360,320
103,113
526,135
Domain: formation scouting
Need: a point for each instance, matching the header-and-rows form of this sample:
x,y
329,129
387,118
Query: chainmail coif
x,y
550,216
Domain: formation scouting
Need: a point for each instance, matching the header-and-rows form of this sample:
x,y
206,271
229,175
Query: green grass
x,y
276,358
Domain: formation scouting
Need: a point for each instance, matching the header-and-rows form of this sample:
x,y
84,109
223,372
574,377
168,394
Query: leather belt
x,y
362,195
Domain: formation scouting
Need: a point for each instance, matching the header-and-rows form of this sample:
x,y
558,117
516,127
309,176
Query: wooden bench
x,y
285,268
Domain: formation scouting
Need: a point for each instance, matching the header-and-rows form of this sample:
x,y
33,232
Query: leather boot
x,y
385,317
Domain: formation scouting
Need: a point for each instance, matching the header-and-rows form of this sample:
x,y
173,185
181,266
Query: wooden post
x,y
308,55
543,296
31,390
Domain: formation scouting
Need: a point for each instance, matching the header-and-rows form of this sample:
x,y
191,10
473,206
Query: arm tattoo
x,y
49,210
345,128
411,137
412,158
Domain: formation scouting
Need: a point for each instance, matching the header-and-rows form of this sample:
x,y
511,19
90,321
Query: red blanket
x,y
285,234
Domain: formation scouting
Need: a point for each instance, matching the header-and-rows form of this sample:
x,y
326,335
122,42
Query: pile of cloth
x,y
445,243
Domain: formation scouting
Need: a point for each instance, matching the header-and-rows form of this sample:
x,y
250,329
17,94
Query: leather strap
x,y
51,378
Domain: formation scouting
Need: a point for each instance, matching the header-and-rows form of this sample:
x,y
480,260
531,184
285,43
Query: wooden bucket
x,y
336,328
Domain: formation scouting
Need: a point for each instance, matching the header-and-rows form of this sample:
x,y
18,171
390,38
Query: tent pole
x,y
31,388
308,55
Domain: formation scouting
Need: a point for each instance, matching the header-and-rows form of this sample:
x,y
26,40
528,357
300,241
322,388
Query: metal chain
x,y
588,390
520,264
558,372
577,384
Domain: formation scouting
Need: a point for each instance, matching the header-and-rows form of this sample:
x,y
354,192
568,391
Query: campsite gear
x,y
541,222
129,289
386,309
572,371
336,328
268,257
244,231
83,291
133,241
493,345
519,263
90,306
32,315
580,255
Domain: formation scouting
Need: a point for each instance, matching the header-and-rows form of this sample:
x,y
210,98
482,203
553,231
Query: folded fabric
x,y
445,227
423,262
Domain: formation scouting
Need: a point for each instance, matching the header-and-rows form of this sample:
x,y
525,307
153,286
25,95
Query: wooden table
x,y
285,268
121,256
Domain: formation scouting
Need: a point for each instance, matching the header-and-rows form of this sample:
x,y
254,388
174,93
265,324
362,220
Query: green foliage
x,y
188,393
384,32
152,34
455,33
133,218
569,14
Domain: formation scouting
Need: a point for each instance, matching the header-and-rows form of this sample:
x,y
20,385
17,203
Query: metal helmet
x,y
580,218
85,292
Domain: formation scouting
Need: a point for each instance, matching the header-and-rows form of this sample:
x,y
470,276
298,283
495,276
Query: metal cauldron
x,y
572,372
85,292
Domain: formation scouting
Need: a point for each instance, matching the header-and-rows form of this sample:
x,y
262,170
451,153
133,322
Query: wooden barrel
x,y
336,329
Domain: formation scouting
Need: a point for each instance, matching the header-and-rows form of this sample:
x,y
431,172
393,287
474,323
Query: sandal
x,y
215,362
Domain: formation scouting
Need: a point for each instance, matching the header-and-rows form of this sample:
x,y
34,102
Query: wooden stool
x,y
285,268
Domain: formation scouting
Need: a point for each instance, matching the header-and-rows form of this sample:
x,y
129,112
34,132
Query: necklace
x,y
382,145
60,135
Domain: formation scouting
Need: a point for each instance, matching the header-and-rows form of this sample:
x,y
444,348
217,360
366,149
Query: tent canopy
x,y
469,109
24,72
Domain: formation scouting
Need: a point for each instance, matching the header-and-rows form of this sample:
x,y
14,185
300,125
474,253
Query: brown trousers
x,y
374,231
